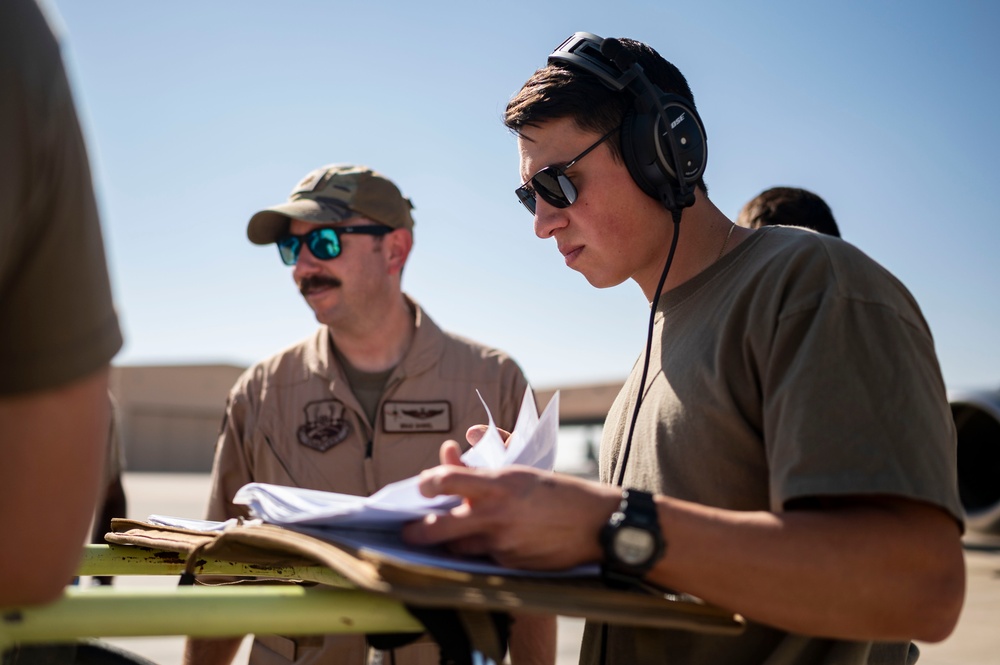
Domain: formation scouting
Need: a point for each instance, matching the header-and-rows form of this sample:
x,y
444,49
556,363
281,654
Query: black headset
x,y
664,148
661,136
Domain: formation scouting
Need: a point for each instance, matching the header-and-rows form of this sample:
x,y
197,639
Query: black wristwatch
x,y
631,539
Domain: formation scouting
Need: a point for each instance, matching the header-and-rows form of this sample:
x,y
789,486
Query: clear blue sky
x,y
198,114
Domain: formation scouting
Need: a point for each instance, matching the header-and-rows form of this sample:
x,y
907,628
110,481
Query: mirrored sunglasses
x,y
324,242
552,183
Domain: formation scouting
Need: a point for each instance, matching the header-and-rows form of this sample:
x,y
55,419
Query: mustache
x,y
318,282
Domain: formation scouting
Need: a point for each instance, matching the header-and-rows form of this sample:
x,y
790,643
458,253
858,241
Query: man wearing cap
x,y
364,401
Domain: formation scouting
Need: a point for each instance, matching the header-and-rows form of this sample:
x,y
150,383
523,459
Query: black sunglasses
x,y
552,183
324,242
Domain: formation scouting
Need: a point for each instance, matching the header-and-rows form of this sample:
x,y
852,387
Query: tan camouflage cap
x,y
334,193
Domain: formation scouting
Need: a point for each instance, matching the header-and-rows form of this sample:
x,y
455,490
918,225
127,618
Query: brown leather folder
x,y
373,569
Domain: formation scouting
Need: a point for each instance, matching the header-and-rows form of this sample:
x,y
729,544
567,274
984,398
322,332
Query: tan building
x,y
585,404
171,414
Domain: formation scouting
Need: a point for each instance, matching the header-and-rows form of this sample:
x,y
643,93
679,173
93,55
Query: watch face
x,y
634,547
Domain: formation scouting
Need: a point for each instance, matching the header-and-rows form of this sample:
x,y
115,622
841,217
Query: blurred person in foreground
x,y
792,458
365,400
788,206
58,326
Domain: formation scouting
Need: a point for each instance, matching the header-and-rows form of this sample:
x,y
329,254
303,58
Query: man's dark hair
x,y
788,206
559,91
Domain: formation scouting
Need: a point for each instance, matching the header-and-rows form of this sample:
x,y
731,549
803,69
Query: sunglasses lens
x,y
554,187
324,243
288,249
527,197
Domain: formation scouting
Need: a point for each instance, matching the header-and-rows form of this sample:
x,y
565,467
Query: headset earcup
x,y
648,153
689,140
639,155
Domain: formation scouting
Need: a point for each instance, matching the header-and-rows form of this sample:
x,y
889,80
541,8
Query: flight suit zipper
x,y
369,467
369,463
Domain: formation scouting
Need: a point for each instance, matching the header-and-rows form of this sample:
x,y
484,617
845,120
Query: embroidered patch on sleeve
x,y
324,425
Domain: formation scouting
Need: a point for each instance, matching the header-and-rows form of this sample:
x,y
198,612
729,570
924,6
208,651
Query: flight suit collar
x,y
425,350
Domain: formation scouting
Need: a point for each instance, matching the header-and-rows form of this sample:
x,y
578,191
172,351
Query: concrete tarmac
x,y
976,640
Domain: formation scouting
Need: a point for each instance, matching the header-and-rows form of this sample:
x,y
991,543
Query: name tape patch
x,y
401,417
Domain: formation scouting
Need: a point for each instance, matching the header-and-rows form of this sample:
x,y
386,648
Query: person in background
x,y
365,400
788,206
784,448
113,502
58,325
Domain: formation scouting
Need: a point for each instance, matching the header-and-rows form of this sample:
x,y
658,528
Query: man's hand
x,y
858,568
475,433
451,452
521,517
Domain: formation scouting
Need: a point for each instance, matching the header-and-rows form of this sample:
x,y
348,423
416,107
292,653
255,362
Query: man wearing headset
x,y
792,458
364,401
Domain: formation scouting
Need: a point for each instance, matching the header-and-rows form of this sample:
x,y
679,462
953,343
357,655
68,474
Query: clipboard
x,y
268,549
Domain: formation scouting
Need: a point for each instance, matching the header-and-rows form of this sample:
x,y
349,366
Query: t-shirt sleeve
x,y
57,319
855,401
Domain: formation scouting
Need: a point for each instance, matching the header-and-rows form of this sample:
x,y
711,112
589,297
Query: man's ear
x,y
397,246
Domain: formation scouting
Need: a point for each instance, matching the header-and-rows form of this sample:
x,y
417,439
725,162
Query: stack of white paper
x,y
532,443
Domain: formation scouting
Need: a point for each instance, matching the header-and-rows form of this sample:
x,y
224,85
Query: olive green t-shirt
x,y
794,367
57,320
366,386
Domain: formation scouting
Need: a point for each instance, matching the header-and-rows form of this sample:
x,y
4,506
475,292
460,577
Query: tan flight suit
x,y
293,420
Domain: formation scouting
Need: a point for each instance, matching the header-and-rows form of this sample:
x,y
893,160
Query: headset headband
x,y
583,49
